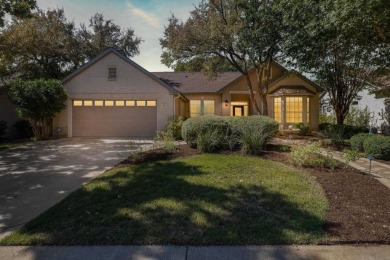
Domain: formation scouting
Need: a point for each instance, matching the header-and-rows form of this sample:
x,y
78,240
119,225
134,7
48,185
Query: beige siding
x,y
8,112
131,84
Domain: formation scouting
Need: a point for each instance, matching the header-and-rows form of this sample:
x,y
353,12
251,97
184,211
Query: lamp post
x,y
370,158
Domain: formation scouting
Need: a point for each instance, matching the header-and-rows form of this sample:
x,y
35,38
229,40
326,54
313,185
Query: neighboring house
x,y
7,111
375,103
112,96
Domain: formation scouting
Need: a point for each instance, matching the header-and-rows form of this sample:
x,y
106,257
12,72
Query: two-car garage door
x,y
110,118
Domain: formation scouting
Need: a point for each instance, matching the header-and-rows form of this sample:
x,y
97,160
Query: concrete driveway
x,y
38,175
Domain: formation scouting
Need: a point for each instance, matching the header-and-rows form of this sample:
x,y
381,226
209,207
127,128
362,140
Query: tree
x,y
17,8
341,43
39,47
245,33
38,101
199,64
102,34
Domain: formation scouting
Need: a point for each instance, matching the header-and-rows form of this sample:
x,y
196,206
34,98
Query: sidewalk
x,y
380,171
192,253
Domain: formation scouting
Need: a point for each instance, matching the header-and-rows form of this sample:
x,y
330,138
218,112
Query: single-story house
x,y
112,96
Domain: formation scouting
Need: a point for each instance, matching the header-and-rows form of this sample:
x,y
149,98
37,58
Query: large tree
x,y
47,45
16,8
39,47
342,43
245,33
101,34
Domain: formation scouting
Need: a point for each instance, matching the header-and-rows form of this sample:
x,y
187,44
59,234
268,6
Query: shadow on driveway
x,y
36,176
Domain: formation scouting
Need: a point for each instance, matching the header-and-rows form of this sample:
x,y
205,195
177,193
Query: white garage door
x,y
114,118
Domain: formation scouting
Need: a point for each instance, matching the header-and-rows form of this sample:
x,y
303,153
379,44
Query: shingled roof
x,y
196,82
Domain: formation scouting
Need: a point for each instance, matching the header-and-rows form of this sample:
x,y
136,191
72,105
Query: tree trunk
x,y
251,95
264,104
340,118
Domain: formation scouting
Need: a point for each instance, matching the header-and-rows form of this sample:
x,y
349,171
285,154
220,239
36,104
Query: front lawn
x,y
206,199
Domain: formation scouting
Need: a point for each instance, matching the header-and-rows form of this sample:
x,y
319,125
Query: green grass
x,y
8,145
199,200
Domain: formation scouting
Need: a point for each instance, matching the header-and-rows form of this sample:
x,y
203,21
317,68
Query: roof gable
x,y
123,57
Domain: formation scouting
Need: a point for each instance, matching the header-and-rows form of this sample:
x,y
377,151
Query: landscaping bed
x,y
359,205
205,199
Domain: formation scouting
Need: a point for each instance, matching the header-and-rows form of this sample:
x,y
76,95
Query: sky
x,y
146,17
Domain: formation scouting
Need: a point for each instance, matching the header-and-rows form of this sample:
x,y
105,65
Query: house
x,y
112,96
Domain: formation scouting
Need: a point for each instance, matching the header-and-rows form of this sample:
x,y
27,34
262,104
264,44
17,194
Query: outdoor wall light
x,y
226,103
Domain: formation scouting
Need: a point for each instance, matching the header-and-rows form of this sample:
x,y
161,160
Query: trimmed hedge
x,y
344,131
358,140
378,146
214,133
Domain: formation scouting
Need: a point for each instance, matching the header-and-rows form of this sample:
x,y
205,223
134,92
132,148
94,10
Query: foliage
x,y
358,117
327,119
165,140
304,129
101,34
344,44
323,126
204,199
3,128
378,146
204,64
214,133
358,140
136,150
174,126
337,133
49,46
39,101
350,156
236,32
313,156
16,8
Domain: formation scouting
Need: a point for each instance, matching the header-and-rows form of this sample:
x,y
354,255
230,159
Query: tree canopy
x,y
38,101
47,45
16,8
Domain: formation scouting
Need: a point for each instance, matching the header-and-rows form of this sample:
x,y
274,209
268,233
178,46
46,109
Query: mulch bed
x,y
359,205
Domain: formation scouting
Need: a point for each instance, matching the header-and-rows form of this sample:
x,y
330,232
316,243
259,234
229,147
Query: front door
x,y
238,110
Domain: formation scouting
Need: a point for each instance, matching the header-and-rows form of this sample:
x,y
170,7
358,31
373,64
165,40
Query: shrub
x,y
337,133
378,147
174,126
23,129
357,141
165,140
3,128
323,126
213,133
313,156
350,156
304,129
327,118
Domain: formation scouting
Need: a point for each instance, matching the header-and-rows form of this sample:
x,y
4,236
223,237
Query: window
x,y
78,103
201,107
98,103
195,108
141,103
208,107
120,103
109,103
88,103
278,109
111,73
130,103
238,108
151,103
294,110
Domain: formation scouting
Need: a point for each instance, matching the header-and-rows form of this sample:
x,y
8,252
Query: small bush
x,y
378,147
323,126
166,141
337,133
256,133
357,141
313,156
23,129
3,128
304,129
174,126
350,156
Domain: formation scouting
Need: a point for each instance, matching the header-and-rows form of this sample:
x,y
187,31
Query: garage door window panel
x,y
151,103
120,103
141,103
77,103
109,103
